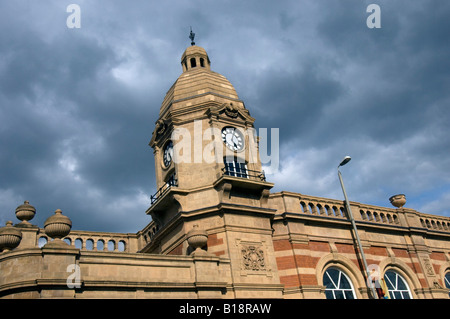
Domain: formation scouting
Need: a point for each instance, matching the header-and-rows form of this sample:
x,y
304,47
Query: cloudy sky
x,y
78,105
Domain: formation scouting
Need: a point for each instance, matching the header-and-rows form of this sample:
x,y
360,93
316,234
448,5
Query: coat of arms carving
x,y
253,258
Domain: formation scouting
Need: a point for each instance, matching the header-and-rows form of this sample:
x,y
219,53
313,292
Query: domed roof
x,y
193,50
197,80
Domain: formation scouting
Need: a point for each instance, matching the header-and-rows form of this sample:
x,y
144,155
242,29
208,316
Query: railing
x,y
245,174
163,189
435,223
332,208
335,208
150,231
379,215
313,207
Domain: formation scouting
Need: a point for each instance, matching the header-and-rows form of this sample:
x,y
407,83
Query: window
x,y
193,63
202,62
338,285
233,167
447,282
397,286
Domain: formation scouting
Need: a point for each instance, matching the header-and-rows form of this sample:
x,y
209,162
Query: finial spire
x,y
192,36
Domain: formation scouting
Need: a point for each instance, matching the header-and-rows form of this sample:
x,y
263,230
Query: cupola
x,y
195,57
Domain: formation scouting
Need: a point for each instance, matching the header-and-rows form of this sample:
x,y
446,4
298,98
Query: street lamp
x,y
350,215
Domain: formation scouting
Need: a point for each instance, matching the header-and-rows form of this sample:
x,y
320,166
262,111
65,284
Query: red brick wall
x,y
300,261
177,251
213,241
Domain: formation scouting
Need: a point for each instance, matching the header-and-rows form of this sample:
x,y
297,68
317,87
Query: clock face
x,y
233,138
168,154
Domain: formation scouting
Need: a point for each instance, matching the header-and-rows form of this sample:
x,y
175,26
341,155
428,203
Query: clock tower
x,y
208,172
204,142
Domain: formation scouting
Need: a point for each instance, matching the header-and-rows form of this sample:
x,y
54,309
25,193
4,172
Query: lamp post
x,y
355,230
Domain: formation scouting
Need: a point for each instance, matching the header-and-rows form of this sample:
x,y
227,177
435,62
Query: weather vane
x,y
192,36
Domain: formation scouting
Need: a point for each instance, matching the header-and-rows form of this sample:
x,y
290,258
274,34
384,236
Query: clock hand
x,y
235,141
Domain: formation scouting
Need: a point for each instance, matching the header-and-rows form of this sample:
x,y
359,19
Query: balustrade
x,y
324,207
91,241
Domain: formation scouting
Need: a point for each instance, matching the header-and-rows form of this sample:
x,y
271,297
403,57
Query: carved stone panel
x,y
428,267
253,257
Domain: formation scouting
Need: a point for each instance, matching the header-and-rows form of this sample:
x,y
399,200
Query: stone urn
x,y
197,238
25,212
398,200
10,237
57,226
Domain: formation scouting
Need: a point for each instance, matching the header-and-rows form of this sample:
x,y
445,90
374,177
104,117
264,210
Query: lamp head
x,y
345,160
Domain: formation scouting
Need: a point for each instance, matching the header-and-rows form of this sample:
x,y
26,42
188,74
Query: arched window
x,y
193,63
202,62
447,282
397,286
338,285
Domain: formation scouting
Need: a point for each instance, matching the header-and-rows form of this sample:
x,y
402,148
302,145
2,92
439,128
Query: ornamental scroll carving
x,y
253,258
231,110
428,267
160,127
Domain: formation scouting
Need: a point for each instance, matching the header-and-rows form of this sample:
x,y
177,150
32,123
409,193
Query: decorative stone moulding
x,y
398,200
24,213
57,226
197,238
10,237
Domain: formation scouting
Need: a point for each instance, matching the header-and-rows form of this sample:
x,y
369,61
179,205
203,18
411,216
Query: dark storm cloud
x,y
384,100
299,98
78,106
64,112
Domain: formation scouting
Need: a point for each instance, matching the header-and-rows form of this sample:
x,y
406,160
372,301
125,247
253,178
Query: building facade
x,y
217,230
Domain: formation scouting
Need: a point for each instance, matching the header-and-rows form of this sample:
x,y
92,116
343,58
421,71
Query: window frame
x,y
236,168
447,281
341,291
394,293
